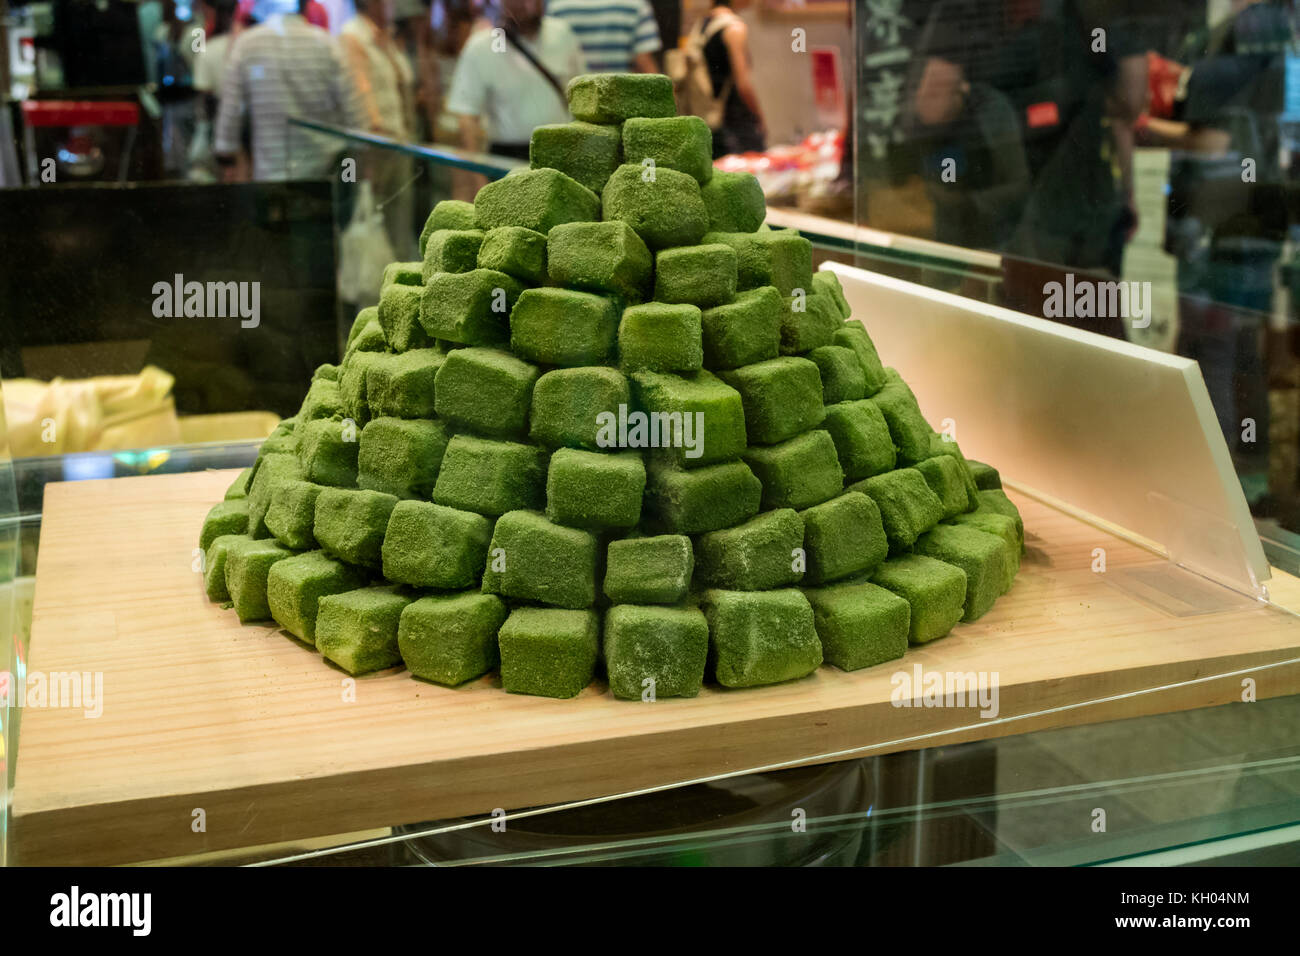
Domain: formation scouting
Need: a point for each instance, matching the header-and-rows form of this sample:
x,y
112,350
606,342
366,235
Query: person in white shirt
x,y
498,94
279,69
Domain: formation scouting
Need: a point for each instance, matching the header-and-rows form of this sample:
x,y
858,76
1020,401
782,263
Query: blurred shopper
x,y
385,82
453,22
209,70
511,78
1227,217
279,69
380,70
972,156
723,39
617,36
210,61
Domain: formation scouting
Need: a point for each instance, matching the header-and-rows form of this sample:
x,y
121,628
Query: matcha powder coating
x,y
611,425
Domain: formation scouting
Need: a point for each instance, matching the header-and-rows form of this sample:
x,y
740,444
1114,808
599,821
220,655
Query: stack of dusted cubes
x,y
611,423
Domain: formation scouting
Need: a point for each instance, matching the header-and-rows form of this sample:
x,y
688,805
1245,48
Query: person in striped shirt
x,y
617,36
280,69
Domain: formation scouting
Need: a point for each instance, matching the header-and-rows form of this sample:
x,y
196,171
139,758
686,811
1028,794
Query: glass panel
x,y
15,624
1081,143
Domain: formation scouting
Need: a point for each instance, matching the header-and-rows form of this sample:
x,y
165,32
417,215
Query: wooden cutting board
x,y
253,733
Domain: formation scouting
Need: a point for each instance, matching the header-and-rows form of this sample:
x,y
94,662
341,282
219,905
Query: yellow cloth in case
x,y
105,413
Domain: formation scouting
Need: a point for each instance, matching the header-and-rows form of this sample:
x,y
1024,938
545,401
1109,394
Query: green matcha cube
x,y
936,592
401,456
485,390
239,487
268,472
399,316
701,499
828,283
789,258
362,319
852,335
996,500
248,563
402,386
809,322
760,637
228,517
859,624
1000,526
281,441
843,537
451,638
516,251
604,257
450,250
907,426
908,508
943,446
367,334
323,400
350,523
660,338
295,586
986,476
861,437
403,273
433,546
569,405
214,565
762,553
448,214
797,473
615,97
358,629
586,152
653,652
491,477
842,376
327,449
650,570
662,205
745,331
533,559
353,376
472,308
701,275
563,327
536,199
699,419
683,143
735,202
782,398
983,557
943,475
548,652
586,489
780,258
293,513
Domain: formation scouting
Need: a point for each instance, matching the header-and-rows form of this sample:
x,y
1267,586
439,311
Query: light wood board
x,y
250,726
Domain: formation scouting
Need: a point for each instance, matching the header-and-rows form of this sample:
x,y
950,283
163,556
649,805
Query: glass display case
x,y
1131,696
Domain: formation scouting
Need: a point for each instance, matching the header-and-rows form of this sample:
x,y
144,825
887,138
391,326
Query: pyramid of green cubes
x,y
612,421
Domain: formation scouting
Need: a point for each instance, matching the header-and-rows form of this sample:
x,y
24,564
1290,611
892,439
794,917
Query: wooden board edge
x,y
160,827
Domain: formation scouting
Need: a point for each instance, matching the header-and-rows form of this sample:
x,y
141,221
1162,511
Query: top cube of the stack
x,y
615,97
